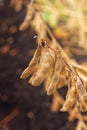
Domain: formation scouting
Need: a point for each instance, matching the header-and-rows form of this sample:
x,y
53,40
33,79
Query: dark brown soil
x,y
31,104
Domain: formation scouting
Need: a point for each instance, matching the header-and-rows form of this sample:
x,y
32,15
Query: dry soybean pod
x,y
70,97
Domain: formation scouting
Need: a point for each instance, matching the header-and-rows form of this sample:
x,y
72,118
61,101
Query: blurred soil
x,y
22,106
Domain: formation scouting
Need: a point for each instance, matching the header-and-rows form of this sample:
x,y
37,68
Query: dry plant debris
x,y
52,66
7,119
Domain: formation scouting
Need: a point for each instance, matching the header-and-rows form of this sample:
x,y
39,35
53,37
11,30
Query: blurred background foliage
x,y
68,21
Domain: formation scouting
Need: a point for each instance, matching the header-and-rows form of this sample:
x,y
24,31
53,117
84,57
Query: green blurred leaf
x,y
50,18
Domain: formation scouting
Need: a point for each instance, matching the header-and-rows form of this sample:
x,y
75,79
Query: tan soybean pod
x,y
43,68
33,65
70,97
